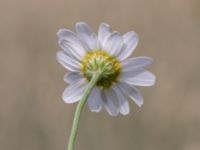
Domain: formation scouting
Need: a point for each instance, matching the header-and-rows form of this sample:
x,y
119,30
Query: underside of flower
x,y
101,61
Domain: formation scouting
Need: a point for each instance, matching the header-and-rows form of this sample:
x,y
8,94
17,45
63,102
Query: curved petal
x,y
68,62
130,73
132,92
136,62
95,101
130,40
74,92
65,34
113,44
72,49
69,52
72,77
110,102
145,78
123,103
87,35
103,33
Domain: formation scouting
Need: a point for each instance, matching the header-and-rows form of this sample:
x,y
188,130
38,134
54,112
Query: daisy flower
x,y
84,52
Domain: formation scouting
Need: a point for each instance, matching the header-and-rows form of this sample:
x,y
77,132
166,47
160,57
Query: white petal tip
x,y
61,32
140,104
95,111
113,115
104,24
80,23
124,114
65,99
68,101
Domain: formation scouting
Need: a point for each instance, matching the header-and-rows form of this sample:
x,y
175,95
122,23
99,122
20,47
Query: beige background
x,y
32,113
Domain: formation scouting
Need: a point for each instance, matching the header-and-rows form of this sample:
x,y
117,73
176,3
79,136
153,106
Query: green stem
x,y
79,109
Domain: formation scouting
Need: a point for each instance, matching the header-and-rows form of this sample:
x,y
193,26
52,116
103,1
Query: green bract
x,y
101,61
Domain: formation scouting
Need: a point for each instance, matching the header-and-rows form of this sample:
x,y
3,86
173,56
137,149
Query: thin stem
x,y
79,109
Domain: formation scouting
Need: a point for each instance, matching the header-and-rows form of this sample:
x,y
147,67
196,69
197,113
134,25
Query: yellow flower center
x,y
100,60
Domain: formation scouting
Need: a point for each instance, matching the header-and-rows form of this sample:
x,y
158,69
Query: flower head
x,y
84,53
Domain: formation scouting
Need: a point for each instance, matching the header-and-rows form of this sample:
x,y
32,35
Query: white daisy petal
x,y
130,73
72,49
68,62
63,33
87,35
83,28
134,66
110,102
74,92
123,103
71,37
132,92
103,33
69,52
130,40
145,78
136,62
95,101
113,44
72,77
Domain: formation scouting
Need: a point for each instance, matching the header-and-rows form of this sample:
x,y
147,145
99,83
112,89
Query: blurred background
x,y
32,113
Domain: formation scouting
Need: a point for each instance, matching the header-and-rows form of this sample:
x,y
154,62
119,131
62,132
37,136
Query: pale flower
x,y
84,52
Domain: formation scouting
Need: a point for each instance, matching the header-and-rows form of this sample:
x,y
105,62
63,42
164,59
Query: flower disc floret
x,y
101,61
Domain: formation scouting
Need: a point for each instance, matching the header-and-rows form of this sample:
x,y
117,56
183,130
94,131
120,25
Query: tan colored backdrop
x,y
32,113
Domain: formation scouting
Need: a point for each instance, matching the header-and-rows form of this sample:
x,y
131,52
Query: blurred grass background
x,y
32,113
